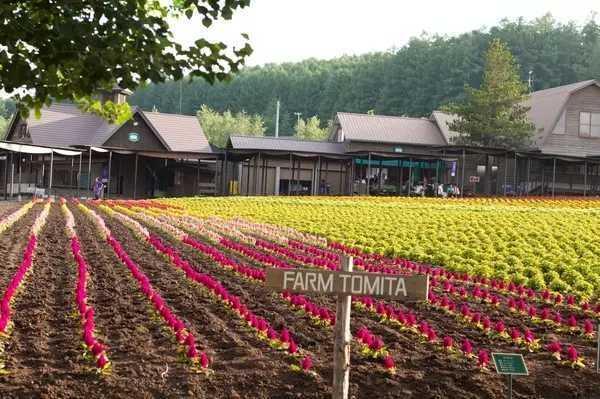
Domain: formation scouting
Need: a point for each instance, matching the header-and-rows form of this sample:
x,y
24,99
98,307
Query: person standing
x,y
98,188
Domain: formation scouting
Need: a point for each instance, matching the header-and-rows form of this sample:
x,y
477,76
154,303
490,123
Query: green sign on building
x,y
510,363
134,137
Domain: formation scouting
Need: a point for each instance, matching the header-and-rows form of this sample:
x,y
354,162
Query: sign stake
x,y
598,348
510,364
341,347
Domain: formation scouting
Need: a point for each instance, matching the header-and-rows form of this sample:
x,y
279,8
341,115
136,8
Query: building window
x,y
589,124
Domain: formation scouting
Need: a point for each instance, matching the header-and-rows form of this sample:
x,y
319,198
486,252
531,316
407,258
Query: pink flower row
x,y
86,312
183,336
217,256
177,326
254,254
313,260
25,266
408,321
260,325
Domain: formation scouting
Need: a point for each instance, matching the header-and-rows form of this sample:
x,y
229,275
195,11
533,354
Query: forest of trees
x,y
428,72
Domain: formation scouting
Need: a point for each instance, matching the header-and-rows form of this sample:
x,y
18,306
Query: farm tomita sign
x,y
344,284
407,288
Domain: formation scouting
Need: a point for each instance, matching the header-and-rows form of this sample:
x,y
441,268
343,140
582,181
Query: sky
x,y
293,30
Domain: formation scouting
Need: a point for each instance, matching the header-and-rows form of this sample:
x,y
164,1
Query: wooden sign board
x,y
403,288
510,363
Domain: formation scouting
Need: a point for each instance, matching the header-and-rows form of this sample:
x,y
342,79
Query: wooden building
x,y
158,154
152,154
377,154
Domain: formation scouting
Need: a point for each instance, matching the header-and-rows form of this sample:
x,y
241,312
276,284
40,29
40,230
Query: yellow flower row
x,y
542,243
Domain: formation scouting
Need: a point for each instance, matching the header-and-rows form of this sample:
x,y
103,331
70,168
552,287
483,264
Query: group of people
x,y
436,189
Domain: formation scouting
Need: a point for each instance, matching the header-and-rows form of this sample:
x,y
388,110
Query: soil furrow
x,y
42,355
144,358
255,370
367,373
416,357
12,244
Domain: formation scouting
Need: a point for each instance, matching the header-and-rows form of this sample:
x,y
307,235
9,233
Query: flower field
x,y
167,298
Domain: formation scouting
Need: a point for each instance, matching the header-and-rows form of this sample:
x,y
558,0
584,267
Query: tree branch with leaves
x,y
52,50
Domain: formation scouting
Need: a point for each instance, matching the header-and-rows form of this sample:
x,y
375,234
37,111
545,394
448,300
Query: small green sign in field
x,y
510,363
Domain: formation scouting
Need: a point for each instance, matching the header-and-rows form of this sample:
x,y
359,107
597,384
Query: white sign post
x,y
344,284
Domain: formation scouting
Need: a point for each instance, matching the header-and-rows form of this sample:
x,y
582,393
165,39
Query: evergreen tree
x,y
423,75
495,114
311,129
218,127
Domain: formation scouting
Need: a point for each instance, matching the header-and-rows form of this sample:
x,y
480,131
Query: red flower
x,y
204,361
306,363
388,363
483,359
466,347
447,342
293,348
572,354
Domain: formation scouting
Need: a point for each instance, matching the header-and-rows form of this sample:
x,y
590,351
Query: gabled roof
x,y
65,125
389,129
179,132
285,144
547,105
443,120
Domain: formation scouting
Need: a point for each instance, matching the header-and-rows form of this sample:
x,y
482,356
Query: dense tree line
x,y
428,72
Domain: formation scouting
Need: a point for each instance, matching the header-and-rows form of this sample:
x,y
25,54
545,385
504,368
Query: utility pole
x,y
277,120
298,114
530,81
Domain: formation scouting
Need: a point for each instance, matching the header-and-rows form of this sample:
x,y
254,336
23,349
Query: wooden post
x,y
197,188
51,173
12,174
6,177
109,172
584,178
515,176
135,173
255,177
79,174
462,174
369,175
341,347
341,176
248,179
553,175
72,170
528,175
90,186
224,175
291,175
409,177
401,167
20,176
505,172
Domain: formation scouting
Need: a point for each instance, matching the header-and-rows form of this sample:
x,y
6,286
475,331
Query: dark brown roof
x,y
65,125
285,144
389,129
